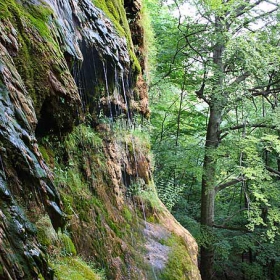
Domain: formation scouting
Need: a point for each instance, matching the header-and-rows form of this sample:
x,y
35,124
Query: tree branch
x,y
266,92
240,78
273,170
231,228
200,92
244,9
241,126
228,184
254,19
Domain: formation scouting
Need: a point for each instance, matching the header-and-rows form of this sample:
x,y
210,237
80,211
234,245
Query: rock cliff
x,y
76,187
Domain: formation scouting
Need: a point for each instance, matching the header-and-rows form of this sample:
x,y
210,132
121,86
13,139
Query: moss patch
x,y
37,48
36,15
68,268
110,236
179,263
67,246
45,231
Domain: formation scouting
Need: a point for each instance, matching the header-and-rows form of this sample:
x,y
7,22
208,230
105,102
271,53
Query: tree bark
x,y
208,189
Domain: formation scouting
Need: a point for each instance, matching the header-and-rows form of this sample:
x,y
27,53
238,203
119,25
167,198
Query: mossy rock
x,y
179,265
115,11
45,232
127,214
47,154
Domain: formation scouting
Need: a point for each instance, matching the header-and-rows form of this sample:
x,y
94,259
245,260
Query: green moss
x,y
151,199
41,277
35,55
4,12
115,227
115,12
152,219
45,232
45,153
66,244
36,15
135,62
68,268
130,147
1,269
179,263
95,219
84,136
127,214
76,178
39,15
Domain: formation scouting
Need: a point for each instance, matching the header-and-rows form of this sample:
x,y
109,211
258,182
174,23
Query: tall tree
x,y
225,72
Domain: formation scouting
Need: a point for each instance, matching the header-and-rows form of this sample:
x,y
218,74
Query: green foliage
x,y
187,83
177,159
169,193
136,188
252,271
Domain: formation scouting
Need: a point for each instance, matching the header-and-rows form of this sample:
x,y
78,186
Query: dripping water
x,y
77,75
107,92
118,107
125,99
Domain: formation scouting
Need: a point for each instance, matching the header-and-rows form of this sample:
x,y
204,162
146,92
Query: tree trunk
x,y
208,189
216,103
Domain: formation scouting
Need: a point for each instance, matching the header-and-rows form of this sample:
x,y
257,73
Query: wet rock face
x,y
133,8
98,59
58,61
81,22
25,180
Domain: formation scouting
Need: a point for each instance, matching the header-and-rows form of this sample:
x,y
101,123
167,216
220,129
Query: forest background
x,y
214,86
